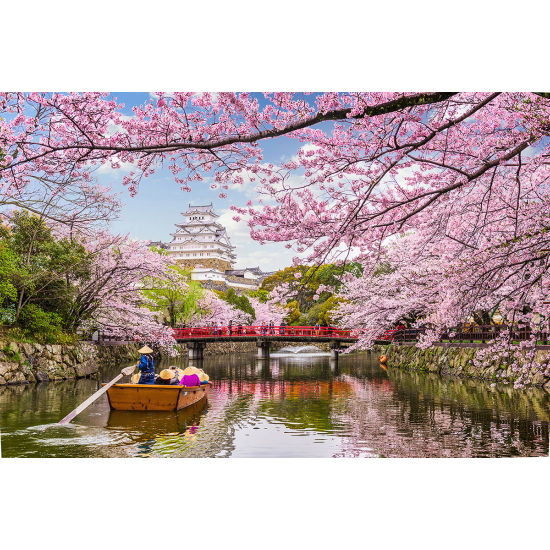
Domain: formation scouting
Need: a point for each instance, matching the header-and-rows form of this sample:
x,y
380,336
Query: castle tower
x,y
200,240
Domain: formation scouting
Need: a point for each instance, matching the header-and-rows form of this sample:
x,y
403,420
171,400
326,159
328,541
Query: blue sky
x,y
152,213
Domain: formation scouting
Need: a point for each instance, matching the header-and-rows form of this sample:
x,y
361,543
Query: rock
x,y
28,349
13,347
538,378
86,368
56,349
18,378
42,364
70,372
7,367
547,386
25,370
42,376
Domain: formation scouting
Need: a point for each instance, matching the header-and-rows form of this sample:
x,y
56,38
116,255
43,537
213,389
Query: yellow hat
x,y
190,370
167,374
145,349
135,378
180,374
204,377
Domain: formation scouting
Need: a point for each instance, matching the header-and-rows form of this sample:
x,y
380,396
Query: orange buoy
x,y
383,359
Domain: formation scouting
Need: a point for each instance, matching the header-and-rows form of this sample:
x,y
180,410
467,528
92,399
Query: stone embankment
x,y
22,362
460,361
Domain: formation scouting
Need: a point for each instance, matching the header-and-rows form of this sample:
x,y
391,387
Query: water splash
x,y
300,349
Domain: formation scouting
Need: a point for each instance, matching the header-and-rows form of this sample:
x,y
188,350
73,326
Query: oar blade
x,y
125,372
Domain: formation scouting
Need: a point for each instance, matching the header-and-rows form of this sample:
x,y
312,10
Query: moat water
x,y
298,406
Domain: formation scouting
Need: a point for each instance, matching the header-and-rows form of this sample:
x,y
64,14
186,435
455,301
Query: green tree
x,y
294,314
48,269
305,287
240,302
177,297
8,292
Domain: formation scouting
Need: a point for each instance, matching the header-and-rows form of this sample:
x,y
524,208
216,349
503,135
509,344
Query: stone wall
x,y
21,363
459,361
118,354
215,263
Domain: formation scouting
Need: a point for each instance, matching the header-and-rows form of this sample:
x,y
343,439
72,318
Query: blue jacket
x,y
147,368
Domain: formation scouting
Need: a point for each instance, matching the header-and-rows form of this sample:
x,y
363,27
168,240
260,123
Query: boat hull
x,y
145,397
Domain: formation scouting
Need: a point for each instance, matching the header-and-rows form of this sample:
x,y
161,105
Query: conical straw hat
x,y
167,374
135,378
190,370
203,377
180,374
145,349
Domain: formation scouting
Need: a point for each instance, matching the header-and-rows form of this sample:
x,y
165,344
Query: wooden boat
x,y
150,397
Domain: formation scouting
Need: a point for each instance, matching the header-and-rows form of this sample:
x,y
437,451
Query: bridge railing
x,y
473,333
257,330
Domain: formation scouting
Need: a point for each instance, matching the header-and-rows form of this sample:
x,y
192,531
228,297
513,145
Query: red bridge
x,y
196,338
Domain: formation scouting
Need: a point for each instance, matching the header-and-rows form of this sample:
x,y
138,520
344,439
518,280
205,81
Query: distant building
x,y
202,244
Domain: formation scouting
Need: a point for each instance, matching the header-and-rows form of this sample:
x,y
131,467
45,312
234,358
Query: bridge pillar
x,y
196,350
334,347
263,349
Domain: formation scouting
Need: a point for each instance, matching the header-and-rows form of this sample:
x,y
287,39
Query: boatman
x,y
147,366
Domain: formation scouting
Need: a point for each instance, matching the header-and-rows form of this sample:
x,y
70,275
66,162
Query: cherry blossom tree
x,y
112,298
463,175
267,311
212,309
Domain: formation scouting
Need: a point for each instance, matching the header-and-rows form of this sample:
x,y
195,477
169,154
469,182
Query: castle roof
x,y
201,210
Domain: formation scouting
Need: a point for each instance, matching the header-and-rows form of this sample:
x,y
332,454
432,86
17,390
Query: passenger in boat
x,y
167,377
190,377
147,366
203,377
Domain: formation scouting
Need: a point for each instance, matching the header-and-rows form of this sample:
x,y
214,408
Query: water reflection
x,y
287,407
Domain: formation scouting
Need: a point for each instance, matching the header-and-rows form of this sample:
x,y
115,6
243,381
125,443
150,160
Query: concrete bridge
x,y
196,338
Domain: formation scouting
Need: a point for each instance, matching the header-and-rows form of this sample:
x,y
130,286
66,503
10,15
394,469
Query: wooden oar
x,y
125,372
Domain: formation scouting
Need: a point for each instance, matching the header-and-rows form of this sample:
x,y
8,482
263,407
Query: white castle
x,y
202,244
